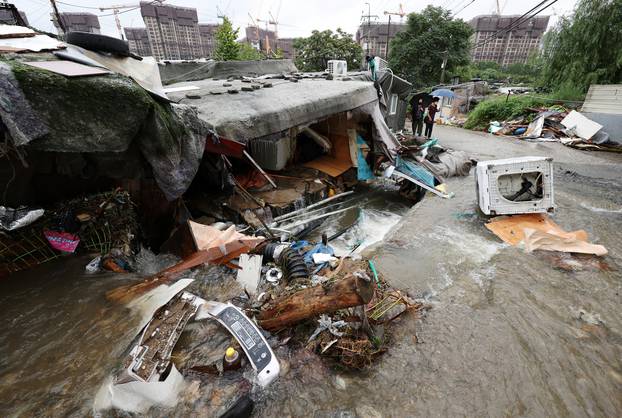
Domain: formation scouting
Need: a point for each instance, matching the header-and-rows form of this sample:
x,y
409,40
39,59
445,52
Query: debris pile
x,y
103,224
557,124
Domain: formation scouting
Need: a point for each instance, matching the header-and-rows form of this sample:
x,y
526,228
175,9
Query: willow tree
x,y
585,48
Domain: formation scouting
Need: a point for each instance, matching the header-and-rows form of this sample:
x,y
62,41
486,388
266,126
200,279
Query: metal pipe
x,y
320,203
247,155
300,223
311,212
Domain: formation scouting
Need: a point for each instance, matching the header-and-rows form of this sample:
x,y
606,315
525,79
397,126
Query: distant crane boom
x,y
115,11
401,14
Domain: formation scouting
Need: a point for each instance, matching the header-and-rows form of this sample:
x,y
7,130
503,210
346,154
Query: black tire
x,y
100,43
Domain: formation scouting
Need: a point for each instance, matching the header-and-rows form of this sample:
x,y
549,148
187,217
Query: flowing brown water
x,y
508,333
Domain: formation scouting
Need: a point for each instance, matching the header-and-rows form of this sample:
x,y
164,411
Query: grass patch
x,y
500,109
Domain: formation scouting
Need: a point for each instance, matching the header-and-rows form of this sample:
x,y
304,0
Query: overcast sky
x,y
296,18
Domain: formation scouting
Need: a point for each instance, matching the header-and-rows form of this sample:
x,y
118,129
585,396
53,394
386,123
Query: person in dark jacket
x,y
429,118
417,116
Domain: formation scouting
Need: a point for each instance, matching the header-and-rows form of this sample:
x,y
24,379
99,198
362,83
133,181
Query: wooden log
x,y
345,293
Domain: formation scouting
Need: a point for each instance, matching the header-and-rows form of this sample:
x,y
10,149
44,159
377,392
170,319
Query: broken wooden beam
x,y
345,293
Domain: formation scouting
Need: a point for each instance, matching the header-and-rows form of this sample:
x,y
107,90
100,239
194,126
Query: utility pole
x,y
443,66
401,15
368,17
61,25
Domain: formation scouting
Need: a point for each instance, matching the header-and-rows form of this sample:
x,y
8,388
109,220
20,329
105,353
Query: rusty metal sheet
x,y
68,68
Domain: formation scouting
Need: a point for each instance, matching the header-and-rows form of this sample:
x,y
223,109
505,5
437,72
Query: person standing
x,y
371,62
429,118
417,116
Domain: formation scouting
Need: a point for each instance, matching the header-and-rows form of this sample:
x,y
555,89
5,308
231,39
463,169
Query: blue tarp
x,y
412,169
364,172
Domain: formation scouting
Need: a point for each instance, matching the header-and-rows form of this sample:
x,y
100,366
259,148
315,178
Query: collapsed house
x,y
79,122
301,127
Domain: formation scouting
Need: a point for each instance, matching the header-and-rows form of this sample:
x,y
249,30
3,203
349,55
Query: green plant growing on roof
x,y
227,47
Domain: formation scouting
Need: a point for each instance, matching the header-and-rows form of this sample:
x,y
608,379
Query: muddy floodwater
x,y
508,334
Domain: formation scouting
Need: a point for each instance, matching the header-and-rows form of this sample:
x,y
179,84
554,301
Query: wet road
x,y
508,335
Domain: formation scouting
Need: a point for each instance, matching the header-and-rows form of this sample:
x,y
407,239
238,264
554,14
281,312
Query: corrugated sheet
x,y
604,98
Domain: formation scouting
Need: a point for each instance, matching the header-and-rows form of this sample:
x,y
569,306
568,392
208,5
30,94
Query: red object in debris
x,y
224,146
62,241
111,265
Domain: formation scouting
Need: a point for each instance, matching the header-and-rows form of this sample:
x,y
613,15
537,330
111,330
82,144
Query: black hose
x,y
293,265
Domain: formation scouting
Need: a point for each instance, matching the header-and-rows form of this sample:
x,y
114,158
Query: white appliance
x,y
337,67
515,185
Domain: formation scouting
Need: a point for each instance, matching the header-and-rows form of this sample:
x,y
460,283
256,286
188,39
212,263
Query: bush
x,y
568,91
499,109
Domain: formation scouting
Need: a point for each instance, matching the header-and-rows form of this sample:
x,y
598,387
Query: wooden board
x,y
329,165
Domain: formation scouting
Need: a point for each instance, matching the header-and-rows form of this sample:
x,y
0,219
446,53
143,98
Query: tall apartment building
x,y
207,33
78,22
375,36
287,46
261,39
138,41
173,31
7,18
509,47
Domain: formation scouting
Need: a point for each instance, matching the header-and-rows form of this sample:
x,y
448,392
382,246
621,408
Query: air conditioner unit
x,y
515,185
337,67
271,154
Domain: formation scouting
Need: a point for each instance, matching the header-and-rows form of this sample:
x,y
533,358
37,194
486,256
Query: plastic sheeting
x,y
412,169
22,122
140,396
11,219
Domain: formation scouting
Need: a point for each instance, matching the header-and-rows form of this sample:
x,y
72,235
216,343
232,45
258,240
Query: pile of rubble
x,y
558,124
295,293
104,224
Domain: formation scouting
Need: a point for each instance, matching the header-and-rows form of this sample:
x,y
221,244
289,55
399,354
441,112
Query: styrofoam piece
x,y
180,88
584,127
490,191
32,43
250,272
68,68
14,31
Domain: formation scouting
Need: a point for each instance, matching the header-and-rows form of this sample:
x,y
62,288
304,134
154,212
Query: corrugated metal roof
x,y
604,98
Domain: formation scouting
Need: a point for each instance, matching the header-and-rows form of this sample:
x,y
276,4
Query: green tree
x,y
247,53
585,48
227,47
314,52
418,52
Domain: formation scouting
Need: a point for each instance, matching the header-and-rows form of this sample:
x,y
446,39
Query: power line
x,y
467,5
76,5
523,18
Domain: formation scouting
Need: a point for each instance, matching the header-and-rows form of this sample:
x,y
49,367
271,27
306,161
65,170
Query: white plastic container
x,y
337,67
499,184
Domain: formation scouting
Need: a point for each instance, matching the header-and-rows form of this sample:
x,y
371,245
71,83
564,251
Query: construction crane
x,y
268,22
401,14
256,26
115,11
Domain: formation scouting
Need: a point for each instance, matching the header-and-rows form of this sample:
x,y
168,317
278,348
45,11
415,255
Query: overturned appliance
x,y
150,359
515,185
